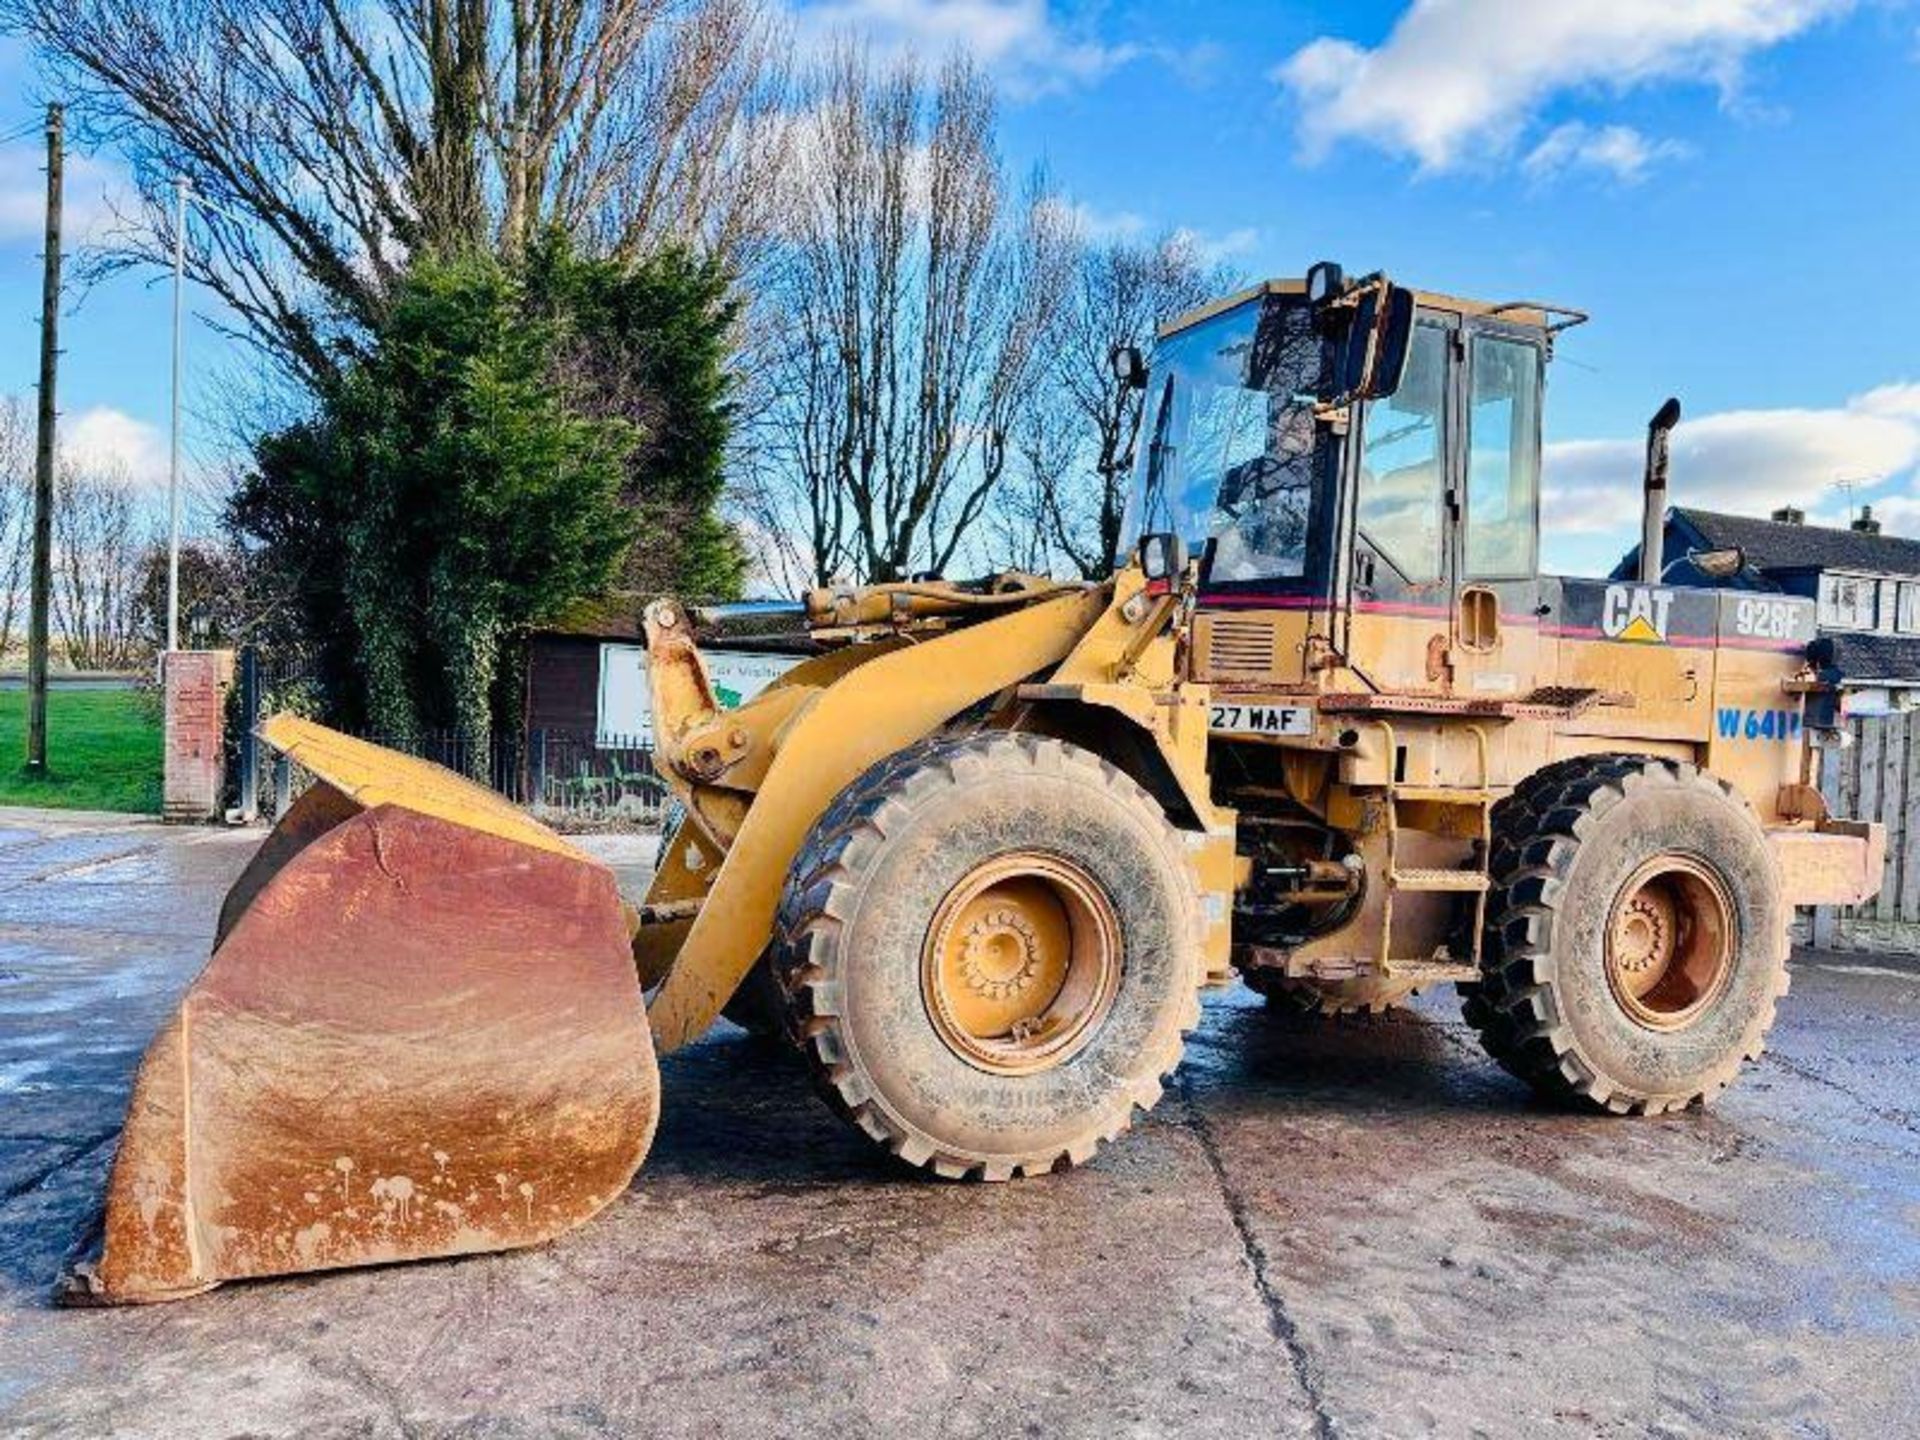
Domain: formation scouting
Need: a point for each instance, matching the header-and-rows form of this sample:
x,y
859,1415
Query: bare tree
x,y
97,568
1075,441
907,309
16,514
340,139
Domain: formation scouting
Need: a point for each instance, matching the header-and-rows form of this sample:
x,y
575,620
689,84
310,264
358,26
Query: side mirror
x,y
1163,557
1373,358
1129,367
1324,281
1396,344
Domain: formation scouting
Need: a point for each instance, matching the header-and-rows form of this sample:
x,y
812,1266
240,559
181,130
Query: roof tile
x,y
1774,545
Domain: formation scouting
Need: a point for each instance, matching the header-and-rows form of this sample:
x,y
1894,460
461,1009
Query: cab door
x,y
1404,541
1493,510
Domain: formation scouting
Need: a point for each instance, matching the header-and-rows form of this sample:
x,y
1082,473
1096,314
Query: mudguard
x,y
842,730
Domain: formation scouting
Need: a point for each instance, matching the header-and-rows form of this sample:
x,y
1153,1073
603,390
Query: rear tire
x,y
1637,943
990,949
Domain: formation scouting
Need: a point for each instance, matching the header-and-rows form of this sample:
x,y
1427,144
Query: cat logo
x,y
1636,614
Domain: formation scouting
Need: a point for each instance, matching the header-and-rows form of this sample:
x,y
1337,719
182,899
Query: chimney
x,y
1866,524
1790,515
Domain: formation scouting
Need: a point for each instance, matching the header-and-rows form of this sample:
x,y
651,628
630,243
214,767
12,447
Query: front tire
x,y
991,953
1638,942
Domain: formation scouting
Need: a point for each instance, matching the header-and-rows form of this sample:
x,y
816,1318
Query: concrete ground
x,y
1325,1229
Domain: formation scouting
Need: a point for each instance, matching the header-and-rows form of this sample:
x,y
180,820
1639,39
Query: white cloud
x,y
1099,226
1902,401
1616,150
1459,80
1197,65
1218,249
93,189
1107,226
111,440
1022,40
1750,462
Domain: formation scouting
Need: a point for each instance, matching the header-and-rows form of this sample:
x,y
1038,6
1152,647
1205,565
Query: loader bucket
x,y
420,1034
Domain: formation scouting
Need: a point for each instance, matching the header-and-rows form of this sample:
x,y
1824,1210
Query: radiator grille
x,y
1241,645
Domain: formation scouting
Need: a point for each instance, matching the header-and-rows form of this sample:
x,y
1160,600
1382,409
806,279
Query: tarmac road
x,y
1325,1229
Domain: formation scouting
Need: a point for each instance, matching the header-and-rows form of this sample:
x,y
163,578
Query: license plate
x,y
1263,719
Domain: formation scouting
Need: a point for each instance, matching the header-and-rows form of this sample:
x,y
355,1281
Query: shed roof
x,y
616,617
613,616
1866,657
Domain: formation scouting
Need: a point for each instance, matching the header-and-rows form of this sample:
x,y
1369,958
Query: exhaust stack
x,y
1654,509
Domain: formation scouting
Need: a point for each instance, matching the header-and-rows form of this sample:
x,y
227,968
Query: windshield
x,y
1231,448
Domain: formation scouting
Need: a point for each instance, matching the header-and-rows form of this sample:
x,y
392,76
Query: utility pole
x,y
44,452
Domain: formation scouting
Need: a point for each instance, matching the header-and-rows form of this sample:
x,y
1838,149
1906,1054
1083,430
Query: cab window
x,y
1503,459
1233,447
1402,463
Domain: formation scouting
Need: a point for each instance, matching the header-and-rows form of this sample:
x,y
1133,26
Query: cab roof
x,y
1531,314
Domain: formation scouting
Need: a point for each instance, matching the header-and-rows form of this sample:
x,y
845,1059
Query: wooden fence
x,y
1878,778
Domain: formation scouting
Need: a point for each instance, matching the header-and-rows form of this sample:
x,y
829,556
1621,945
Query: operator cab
x,y
1334,446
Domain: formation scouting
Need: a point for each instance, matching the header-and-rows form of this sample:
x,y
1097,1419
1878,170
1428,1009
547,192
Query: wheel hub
x,y
1644,936
1000,955
1021,963
1670,942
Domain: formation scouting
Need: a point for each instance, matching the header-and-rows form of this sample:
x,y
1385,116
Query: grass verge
x,y
103,751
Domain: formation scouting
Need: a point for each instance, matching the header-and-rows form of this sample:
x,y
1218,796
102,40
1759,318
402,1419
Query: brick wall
x,y
196,690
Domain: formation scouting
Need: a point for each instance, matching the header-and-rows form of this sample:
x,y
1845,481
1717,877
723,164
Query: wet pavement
x,y
1326,1228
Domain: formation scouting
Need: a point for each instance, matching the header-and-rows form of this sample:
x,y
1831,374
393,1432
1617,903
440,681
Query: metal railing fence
x,y
569,780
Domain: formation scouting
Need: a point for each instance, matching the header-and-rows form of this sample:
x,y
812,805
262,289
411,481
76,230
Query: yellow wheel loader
x,y
1328,727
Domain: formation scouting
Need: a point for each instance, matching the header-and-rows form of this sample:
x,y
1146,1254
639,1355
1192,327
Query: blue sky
x,y
1728,185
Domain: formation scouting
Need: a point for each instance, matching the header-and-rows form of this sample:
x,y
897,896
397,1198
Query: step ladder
x,y
1476,881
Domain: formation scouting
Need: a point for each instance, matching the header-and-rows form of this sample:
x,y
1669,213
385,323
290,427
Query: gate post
x,y
195,759
249,739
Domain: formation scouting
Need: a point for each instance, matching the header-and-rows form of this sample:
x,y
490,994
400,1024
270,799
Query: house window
x,y
1847,602
1909,607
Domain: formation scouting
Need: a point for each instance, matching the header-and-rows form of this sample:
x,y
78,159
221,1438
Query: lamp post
x,y
184,200
183,194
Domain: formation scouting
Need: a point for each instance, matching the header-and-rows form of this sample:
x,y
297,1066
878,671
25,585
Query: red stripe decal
x,y
1402,609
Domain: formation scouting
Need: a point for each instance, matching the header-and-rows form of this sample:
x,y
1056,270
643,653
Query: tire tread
x,y
1538,832
821,890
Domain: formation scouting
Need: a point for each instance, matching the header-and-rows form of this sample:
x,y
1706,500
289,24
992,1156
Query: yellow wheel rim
x,y
1670,942
1021,963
